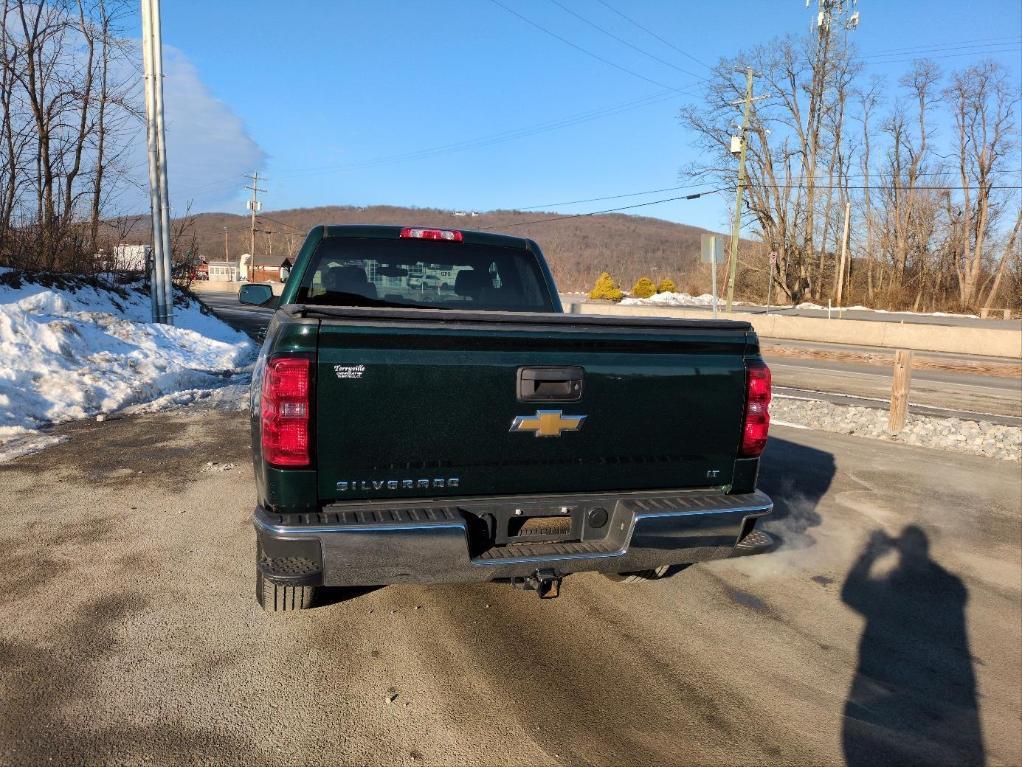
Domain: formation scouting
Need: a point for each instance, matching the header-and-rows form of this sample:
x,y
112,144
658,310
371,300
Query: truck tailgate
x,y
414,403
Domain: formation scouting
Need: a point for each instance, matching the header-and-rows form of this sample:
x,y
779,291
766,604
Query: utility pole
x,y
159,197
736,225
254,207
844,255
831,16
227,256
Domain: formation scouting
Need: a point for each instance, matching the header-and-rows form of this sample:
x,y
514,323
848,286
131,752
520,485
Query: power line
x,y
279,223
899,187
793,182
693,196
653,34
942,49
925,50
579,48
497,138
943,56
614,210
621,40
724,189
479,142
611,197
955,45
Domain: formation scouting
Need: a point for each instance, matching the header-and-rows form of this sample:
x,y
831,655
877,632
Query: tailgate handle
x,y
550,384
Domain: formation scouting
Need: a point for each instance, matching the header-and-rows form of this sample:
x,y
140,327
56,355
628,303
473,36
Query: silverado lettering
x,y
397,484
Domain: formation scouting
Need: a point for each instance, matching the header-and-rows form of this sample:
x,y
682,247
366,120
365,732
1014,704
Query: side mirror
x,y
255,294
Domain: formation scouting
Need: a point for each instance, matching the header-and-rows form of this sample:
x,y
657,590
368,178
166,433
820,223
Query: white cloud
x,y
208,146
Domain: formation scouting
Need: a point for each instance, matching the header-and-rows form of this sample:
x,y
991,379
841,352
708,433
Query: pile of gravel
x,y
978,438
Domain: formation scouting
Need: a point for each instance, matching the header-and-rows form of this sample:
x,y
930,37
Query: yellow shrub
x,y
666,286
643,288
606,289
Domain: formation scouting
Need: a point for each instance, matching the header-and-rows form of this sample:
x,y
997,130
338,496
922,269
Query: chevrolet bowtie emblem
x,y
547,423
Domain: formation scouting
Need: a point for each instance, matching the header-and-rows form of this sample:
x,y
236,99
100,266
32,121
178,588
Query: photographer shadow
x,y
913,698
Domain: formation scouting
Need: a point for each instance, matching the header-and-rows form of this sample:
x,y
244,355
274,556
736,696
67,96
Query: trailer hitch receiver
x,y
546,583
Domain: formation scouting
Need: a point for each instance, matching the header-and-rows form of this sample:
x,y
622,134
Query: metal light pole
x,y
159,205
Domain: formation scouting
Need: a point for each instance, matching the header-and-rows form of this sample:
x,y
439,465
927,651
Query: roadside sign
x,y
712,253
712,249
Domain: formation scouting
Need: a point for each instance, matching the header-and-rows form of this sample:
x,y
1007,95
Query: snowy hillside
x,y
70,349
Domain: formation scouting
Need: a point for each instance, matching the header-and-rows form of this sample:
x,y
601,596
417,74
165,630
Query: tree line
x,y
922,162
68,106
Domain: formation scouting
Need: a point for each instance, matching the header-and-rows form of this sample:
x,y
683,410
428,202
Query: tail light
x,y
451,235
285,409
756,424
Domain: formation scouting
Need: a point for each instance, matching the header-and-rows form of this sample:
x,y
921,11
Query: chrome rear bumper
x,y
368,544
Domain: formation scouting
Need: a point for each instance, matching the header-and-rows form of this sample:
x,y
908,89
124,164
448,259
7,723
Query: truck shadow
x,y
913,699
333,595
796,477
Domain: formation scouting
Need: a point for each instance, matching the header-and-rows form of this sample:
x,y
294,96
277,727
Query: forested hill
x,y
578,249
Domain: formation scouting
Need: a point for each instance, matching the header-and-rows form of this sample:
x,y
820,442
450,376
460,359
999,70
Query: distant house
x,y
225,271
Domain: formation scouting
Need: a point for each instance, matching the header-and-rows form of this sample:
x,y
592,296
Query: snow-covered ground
x,y
684,299
75,350
671,299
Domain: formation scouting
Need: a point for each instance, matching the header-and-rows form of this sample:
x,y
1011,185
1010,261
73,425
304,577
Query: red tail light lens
x,y
285,409
451,235
756,424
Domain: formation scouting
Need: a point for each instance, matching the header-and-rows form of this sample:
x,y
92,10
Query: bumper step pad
x,y
756,542
520,550
290,571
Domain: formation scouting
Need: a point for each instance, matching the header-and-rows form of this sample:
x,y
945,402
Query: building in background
x,y
123,258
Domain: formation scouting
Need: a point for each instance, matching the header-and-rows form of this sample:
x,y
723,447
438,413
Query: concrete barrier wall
x,y
890,335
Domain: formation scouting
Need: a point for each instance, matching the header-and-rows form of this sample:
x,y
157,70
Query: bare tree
x,y
868,99
793,135
983,106
61,108
1010,250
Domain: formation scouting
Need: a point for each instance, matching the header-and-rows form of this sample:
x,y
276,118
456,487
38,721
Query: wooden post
x,y
899,391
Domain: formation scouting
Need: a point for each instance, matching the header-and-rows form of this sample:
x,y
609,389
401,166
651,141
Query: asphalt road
x,y
130,633
934,392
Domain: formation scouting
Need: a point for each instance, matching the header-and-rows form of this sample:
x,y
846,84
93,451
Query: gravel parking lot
x,y
130,632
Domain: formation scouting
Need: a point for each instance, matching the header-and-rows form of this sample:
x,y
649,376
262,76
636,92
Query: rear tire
x,y
640,576
277,598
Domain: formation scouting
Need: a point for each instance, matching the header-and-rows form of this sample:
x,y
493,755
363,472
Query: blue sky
x,y
309,92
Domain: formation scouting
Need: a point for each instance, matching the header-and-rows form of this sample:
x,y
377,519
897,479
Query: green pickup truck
x,y
423,411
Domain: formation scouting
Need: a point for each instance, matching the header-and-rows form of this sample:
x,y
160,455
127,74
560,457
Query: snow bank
x,y
671,299
73,348
684,299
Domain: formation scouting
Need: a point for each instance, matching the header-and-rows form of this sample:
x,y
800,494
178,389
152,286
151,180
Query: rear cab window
x,y
357,271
